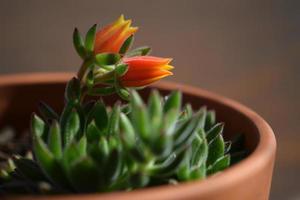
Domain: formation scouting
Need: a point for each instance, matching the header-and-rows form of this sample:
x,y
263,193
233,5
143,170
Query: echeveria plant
x,y
91,147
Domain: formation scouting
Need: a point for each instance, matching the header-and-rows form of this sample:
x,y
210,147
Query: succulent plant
x,y
92,147
95,148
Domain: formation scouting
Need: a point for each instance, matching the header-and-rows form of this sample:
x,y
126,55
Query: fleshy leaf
x,y
79,43
90,38
126,45
103,59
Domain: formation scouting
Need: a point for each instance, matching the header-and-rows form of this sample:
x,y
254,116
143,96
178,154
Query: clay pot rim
x,y
259,158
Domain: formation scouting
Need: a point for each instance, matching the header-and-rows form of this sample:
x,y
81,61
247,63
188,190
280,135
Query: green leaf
x,y
126,45
214,132
73,90
54,140
210,120
141,51
103,59
82,118
188,129
79,44
73,152
90,38
82,146
187,112
38,126
72,127
155,105
139,117
219,165
123,93
198,173
173,101
216,150
113,122
92,133
183,173
155,110
113,166
227,146
99,115
121,69
169,121
47,112
103,149
127,131
99,151
200,151
83,175
48,163
170,168
162,146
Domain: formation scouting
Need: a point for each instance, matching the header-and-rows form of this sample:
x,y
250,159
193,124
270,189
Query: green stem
x,y
83,69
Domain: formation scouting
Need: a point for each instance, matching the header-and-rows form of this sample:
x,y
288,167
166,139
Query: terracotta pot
x,y
250,179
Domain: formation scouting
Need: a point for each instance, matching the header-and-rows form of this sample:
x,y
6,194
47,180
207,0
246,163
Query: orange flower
x,y
143,70
111,37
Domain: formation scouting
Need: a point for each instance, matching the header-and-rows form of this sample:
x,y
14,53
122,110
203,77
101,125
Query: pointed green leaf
x,y
99,115
210,120
113,166
155,111
227,146
139,117
200,151
38,126
173,101
54,140
214,132
121,69
73,90
48,163
141,51
219,165
92,133
216,149
72,127
168,170
198,173
126,45
79,44
187,130
90,38
113,122
127,131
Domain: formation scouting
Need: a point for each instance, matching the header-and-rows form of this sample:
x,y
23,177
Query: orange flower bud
x,y
111,37
143,70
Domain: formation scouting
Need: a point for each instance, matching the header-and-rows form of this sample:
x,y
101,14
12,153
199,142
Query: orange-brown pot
x,y
250,179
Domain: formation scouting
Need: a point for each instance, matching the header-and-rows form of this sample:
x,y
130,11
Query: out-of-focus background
x,y
245,50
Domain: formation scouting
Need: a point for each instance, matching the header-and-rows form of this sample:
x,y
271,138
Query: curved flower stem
x,y
83,69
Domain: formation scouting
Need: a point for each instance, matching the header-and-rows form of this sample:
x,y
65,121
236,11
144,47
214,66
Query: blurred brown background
x,y
245,50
